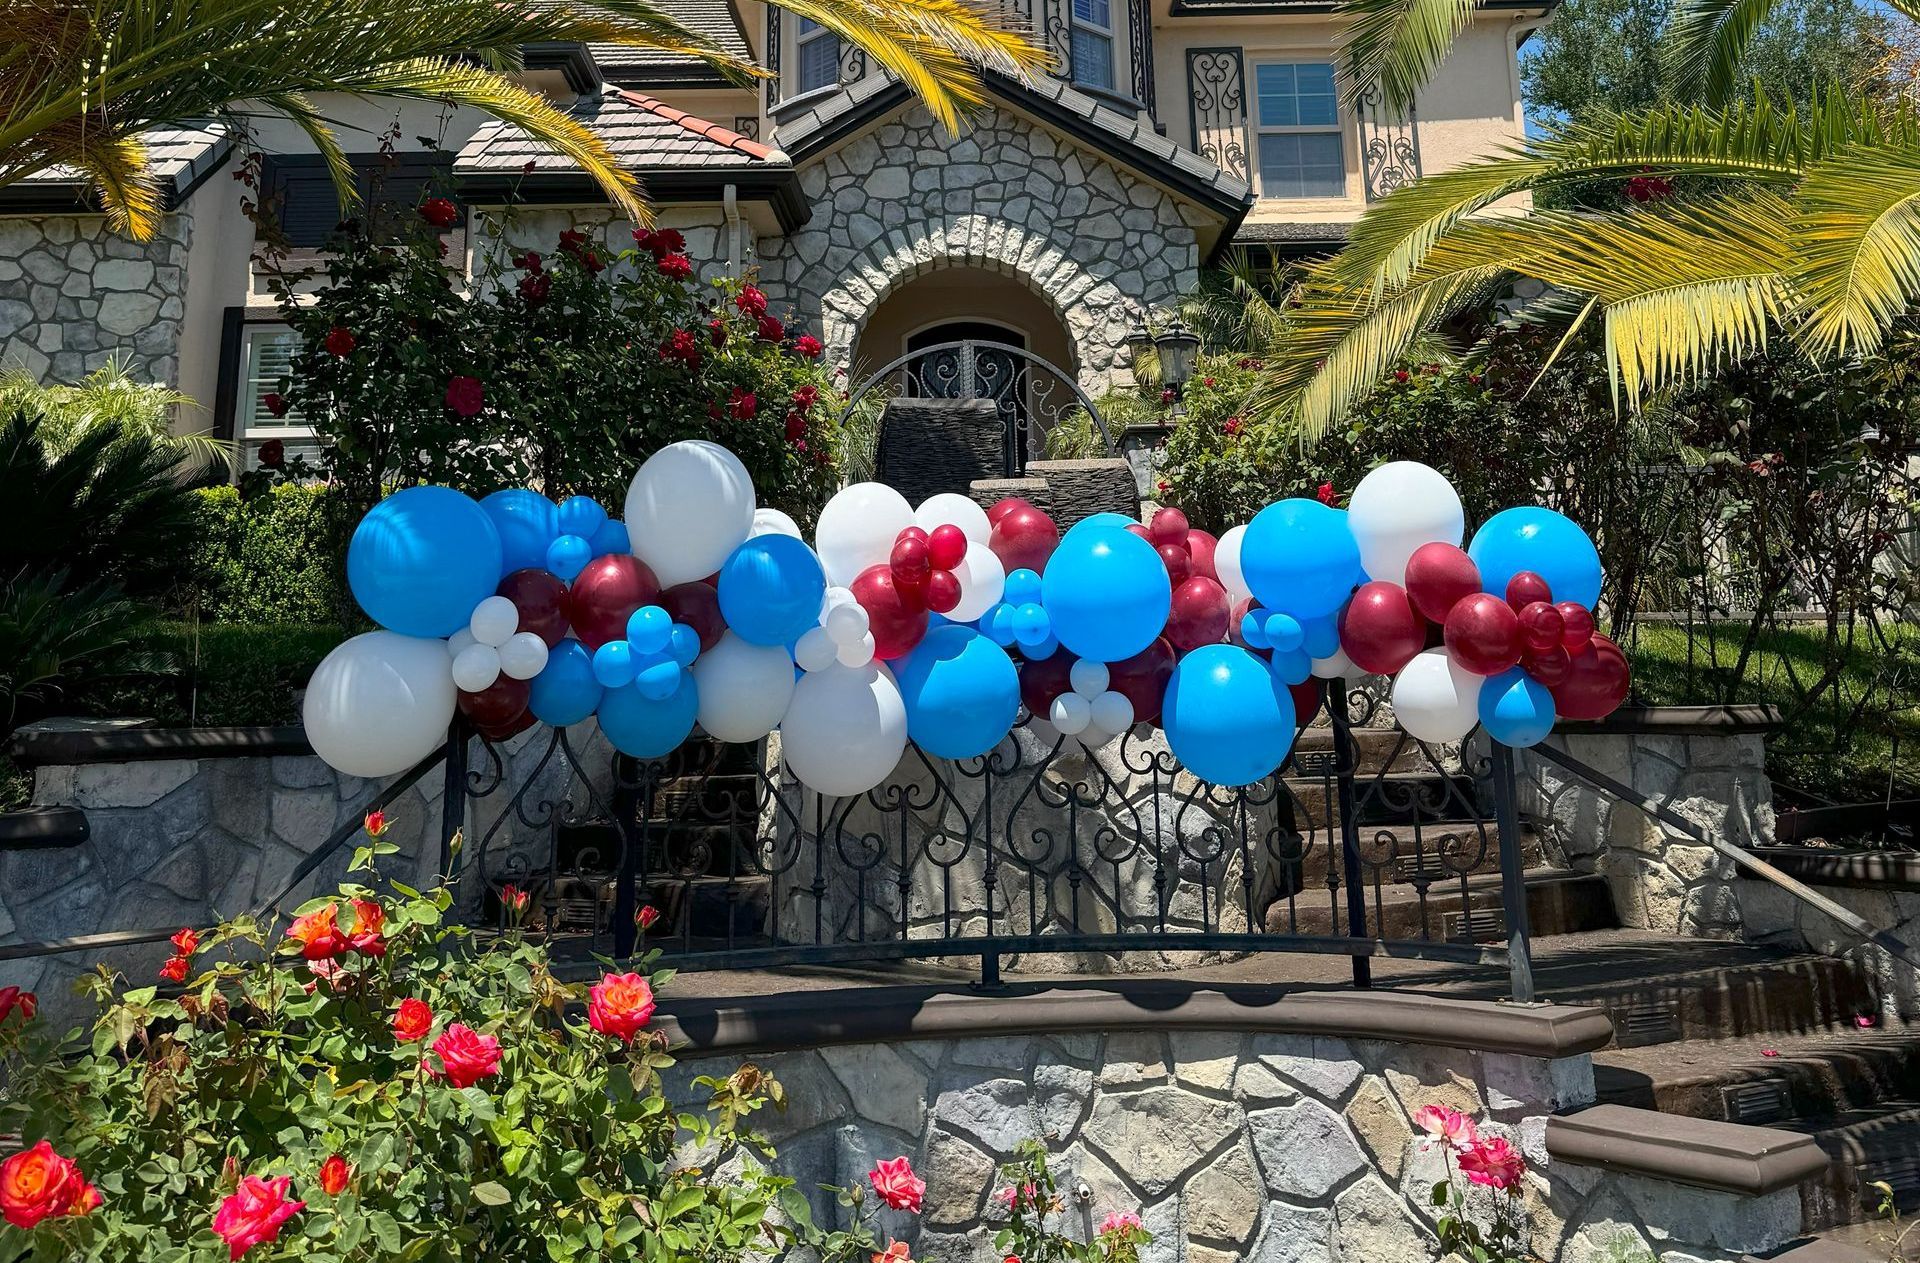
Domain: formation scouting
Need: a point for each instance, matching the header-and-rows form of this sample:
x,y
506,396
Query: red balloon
x,y
1576,625
1438,576
1540,626
948,546
1380,629
497,705
895,619
1551,667
1023,538
1043,680
1483,634
605,595
1169,527
912,559
1527,587
1306,700
1140,530
541,598
1141,679
1003,507
1596,684
1179,565
1201,608
1200,547
500,732
698,606
943,591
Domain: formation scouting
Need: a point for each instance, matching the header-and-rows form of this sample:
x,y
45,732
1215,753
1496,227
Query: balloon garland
x,y
935,624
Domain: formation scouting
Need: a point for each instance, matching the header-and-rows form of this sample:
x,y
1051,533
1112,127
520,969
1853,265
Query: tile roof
x,y
715,19
181,157
644,134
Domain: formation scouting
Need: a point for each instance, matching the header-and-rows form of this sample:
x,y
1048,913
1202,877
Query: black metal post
x,y
453,796
1513,877
633,837
1346,768
989,972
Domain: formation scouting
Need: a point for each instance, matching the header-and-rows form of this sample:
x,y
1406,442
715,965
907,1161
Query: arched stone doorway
x,y
959,301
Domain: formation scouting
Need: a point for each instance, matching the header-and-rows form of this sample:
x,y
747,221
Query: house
x,y
1040,237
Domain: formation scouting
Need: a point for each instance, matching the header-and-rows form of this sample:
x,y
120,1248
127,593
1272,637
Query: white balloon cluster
x,y
491,645
1092,711
842,635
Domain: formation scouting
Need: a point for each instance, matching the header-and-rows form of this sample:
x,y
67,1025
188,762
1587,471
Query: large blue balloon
x,y
1547,543
421,559
1516,709
1097,520
771,589
1106,592
580,515
565,692
962,692
647,728
1299,557
528,524
1228,719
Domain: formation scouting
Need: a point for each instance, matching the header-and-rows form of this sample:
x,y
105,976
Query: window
x,y
390,187
265,352
1298,125
1091,43
819,59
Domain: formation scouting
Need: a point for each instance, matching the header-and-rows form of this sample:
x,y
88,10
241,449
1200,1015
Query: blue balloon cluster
x,y
1293,642
654,656
1019,618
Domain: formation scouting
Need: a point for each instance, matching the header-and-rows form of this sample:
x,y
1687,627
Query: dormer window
x,y
1092,43
818,57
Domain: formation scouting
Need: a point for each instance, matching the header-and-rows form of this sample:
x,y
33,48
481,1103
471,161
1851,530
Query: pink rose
x,y
895,1184
254,1213
1493,1162
1118,1221
1450,1127
467,1056
619,1005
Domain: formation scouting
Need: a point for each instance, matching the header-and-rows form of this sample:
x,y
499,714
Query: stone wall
x,y
1268,1148
73,293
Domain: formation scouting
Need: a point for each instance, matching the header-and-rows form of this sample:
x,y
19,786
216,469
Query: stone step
x,y
1559,901
1386,798
1876,1144
1374,750
1767,1080
1401,853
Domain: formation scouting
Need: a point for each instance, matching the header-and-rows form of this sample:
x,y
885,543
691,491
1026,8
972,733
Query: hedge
x,y
276,557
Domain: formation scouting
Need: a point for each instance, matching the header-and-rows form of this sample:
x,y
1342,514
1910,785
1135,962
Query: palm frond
x,y
1398,43
119,168
1702,46
1856,235
298,108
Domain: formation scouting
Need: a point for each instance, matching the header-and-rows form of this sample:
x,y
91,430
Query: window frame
x,y
251,422
801,38
1077,23
1337,128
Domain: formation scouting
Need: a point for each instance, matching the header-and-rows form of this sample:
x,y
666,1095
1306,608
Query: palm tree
x,y
110,397
80,80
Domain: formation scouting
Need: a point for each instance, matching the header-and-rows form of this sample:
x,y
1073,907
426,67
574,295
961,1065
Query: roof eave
x,y
777,186
79,197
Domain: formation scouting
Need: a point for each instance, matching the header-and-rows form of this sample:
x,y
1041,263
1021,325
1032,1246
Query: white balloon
x,y
690,506
815,650
857,653
1397,508
494,619
1226,564
1094,736
744,688
1338,667
1089,678
847,624
380,703
950,508
773,522
523,656
477,667
1112,712
983,580
845,729
458,641
1435,699
857,529
1071,713
1043,730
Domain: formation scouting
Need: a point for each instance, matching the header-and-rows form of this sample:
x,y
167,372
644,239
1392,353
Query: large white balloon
x,y
983,580
380,703
1226,564
950,508
689,507
845,729
1436,700
773,522
1397,508
857,529
744,688
1338,667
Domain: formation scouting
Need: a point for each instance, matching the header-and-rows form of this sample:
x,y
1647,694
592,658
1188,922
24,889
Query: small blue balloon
x,y
1299,557
1253,629
1549,544
684,645
613,664
1283,632
1320,637
1023,588
1042,651
566,691
997,623
1516,709
650,628
658,679
961,690
611,538
1291,666
1107,592
527,526
1228,718
649,728
771,589
580,515
1031,626
421,559
568,556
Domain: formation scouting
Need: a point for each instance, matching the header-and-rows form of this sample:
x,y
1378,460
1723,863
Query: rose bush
x,y
1494,1230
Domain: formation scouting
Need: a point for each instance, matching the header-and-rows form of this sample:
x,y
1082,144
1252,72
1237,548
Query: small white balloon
x,y
950,508
1338,667
1112,712
379,703
858,528
1398,507
744,688
847,624
458,641
1093,736
477,667
494,619
834,598
773,522
983,580
523,656
1436,699
815,650
857,653
1089,678
1226,564
1071,713
1043,730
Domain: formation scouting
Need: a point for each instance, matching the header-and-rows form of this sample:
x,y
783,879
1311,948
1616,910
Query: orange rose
x,y
38,1184
619,1005
369,920
412,1020
318,934
335,1175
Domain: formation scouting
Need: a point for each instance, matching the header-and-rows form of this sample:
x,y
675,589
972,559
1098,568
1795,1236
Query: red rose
x,y
38,1184
530,260
340,342
369,922
335,1175
771,330
1325,493
12,998
465,396
682,346
1233,425
466,1056
808,345
805,397
717,330
412,1020
572,241
1649,188
1207,382
534,288
1400,375
643,238
175,970
742,404
275,403
318,934
376,824
619,1005
751,301
254,1213
592,262
669,241
273,454
1166,395
796,427
896,1184
675,267
646,917
439,212
515,900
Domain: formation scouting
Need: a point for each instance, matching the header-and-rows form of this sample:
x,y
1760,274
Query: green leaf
x,y
487,1193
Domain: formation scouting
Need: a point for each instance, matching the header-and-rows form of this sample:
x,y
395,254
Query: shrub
x,y
225,674
276,557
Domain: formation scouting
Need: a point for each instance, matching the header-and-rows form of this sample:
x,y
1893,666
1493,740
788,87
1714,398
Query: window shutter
x,y
1217,107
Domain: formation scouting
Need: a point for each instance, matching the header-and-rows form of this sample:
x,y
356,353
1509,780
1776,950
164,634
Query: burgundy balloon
x,y
1023,538
1438,576
605,595
1179,565
1550,667
1201,608
497,705
1169,526
1576,625
1141,679
1200,547
1140,529
943,591
541,598
1380,630
1527,587
912,559
1596,684
698,606
1306,700
1044,680
948,546
1541,626
1483,634
896,620
1003,507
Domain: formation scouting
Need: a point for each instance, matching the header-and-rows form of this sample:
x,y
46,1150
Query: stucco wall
x,y
73,294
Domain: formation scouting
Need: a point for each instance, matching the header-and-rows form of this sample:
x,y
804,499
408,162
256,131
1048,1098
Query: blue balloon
x,y
1283,632
771,589
1547,543
650,628
684,645
580,515
649,728
1320,637
997,623
614,665
568,556
1107,592
1098,520
1299,557
962,692
527,524
421,559
1228,719
1253,629
1516,709
1291,666
1045,649
1031,626
1022,588
566,690
658,679
611,538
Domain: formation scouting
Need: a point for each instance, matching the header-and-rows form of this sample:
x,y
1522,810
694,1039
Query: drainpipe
x,y
1517,35
730,200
